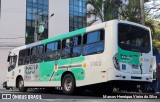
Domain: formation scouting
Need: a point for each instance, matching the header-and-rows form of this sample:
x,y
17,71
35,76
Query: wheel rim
x,y
68,84
21,84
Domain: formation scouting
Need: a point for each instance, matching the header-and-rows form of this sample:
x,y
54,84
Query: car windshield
x,y
133,38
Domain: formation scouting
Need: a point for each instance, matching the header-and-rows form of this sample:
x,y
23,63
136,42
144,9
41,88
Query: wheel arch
x,y
17,79
67,72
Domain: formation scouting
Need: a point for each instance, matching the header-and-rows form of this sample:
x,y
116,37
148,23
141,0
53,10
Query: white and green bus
x,y
113,53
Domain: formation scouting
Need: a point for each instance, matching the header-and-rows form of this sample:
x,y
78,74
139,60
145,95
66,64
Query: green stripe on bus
x,y
66,35
129,57
46,68
79,74
58,74
75,60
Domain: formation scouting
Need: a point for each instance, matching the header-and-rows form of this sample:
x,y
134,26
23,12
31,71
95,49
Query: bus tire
x,y
68,84
21,85
7,88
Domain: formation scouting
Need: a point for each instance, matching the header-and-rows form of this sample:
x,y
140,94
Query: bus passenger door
x,y
11,72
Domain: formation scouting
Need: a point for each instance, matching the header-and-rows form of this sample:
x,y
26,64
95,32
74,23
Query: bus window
x,y
24,57
71,47
52,51
12,63
93,42
37,54
133,38
76,49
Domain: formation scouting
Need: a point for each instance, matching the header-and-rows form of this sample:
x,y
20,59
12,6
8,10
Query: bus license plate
x,y
135,69
135,66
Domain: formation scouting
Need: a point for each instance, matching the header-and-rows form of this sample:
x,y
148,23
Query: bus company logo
x,y
6,96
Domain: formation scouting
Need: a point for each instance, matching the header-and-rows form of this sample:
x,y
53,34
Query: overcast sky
x,y
154,4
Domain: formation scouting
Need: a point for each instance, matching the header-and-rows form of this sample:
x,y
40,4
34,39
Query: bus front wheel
x,y
21,85
68,84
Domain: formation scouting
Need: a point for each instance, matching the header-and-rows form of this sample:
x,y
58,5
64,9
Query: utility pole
x,y
37,23
104,10
142,12
45,24
35,27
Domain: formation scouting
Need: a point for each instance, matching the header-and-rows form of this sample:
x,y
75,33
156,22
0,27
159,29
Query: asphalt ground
x,y
84,96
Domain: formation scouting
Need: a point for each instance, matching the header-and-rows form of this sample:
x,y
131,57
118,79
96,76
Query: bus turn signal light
x,y
84,65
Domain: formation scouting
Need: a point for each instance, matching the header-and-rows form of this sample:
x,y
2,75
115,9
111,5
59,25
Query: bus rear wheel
x,y
21,85
68,84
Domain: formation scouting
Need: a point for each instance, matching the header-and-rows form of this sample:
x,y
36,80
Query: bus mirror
x,y
8,59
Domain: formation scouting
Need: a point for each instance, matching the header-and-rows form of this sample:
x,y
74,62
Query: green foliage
x,y
156,33
156,43
115,9
131,11
103,9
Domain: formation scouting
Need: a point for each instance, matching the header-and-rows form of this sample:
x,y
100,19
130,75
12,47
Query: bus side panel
x,y
97,65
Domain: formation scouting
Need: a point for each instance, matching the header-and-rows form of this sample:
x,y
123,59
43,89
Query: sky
x,y
154,4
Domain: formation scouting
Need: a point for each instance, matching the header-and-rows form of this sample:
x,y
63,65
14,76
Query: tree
x,y
103,10
131,10
115,9
151,13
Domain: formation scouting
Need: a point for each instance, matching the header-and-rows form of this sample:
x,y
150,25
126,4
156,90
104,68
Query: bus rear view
x,y
133,61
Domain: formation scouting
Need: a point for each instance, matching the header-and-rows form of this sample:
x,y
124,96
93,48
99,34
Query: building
x,y
68,16
17,21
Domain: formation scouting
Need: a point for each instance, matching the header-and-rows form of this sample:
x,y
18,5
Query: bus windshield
x,y
133,38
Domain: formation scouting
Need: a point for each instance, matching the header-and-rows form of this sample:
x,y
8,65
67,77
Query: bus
x,y
115,53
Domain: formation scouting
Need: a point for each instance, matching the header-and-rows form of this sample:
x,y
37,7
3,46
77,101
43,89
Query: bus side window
x,y
71,47
40,52
76,48
24,57
65,53
12,63
93,43
33,55
37,54
52,51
